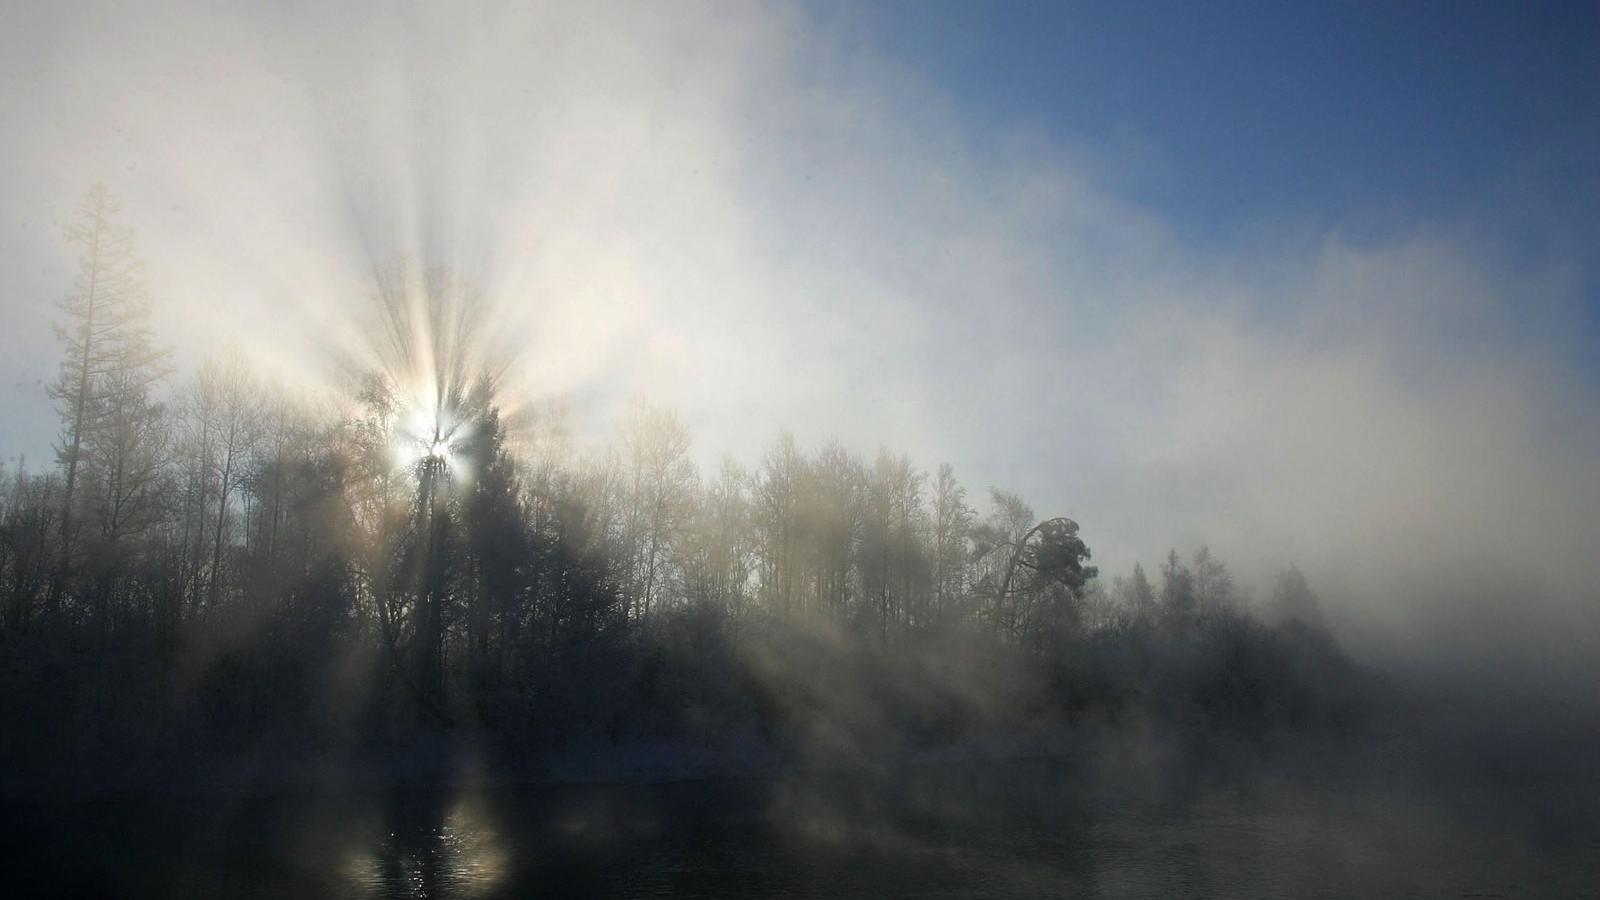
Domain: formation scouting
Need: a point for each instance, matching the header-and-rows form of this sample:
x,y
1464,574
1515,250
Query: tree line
x,y
471,569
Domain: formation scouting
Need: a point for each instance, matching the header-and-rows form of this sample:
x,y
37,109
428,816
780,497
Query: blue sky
x,y
1222,115
1242,124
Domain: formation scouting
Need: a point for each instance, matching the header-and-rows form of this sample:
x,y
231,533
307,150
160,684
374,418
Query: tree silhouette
x,y
237,565
107,363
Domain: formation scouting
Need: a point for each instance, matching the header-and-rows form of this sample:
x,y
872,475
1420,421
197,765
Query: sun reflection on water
x,y
456,852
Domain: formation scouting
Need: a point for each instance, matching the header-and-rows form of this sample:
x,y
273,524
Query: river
x,y
1026,829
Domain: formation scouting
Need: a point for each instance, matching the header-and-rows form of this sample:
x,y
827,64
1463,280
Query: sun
x,y
431,433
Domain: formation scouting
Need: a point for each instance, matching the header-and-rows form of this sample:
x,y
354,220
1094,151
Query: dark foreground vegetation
x,y
219,584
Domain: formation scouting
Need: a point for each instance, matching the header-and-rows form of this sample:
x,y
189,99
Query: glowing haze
x,y
747,213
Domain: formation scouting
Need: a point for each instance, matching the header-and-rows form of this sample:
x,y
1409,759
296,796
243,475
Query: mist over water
x,y
557,400
1019,830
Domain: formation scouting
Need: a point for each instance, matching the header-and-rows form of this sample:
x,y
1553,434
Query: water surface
x,y
1015,830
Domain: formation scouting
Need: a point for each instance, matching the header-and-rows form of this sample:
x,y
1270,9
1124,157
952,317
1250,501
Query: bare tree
x,y
952,525
834,511
718,549
996,542
107,352
31,507
776,495
894,567
231,409
123,469
663,482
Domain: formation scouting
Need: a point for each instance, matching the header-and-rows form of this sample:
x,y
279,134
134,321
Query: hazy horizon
x,y
1296,312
